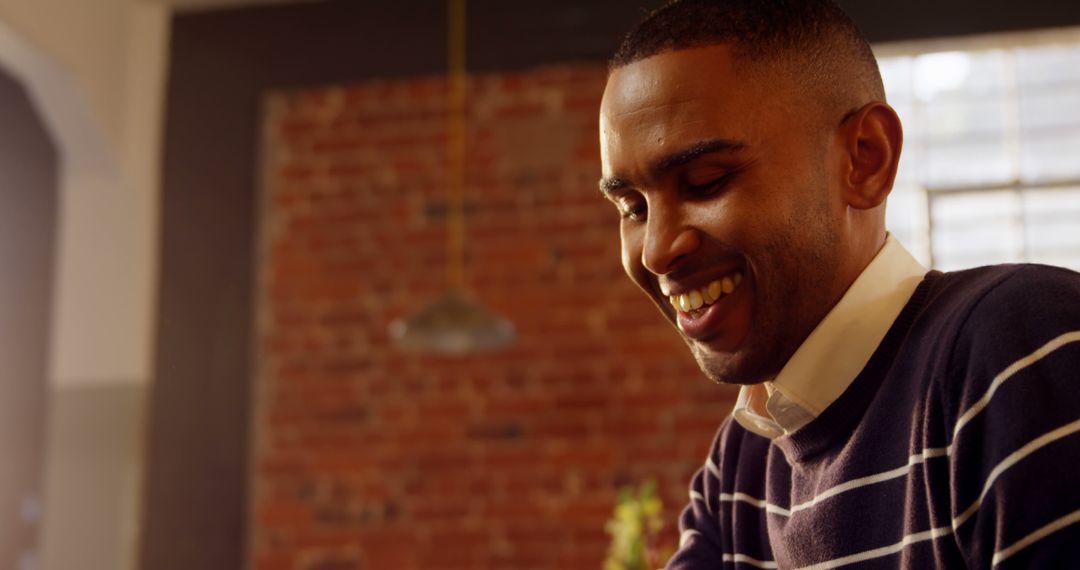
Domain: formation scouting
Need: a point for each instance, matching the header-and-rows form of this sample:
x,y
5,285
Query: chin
x,y
728,368
738,368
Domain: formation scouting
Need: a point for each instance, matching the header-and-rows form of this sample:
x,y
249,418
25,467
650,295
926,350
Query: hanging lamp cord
x,y
455,146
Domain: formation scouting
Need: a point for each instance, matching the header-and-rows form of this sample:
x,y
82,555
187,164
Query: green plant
x,y
636,528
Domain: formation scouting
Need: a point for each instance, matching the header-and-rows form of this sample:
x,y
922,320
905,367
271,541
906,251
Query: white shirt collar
x,y
837,349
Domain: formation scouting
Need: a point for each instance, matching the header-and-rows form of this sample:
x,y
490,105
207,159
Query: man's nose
x,y
668,239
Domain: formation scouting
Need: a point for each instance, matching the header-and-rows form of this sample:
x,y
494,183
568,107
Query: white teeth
x,y
715,290
707,295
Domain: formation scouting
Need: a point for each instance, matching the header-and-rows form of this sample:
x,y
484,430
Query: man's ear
x,y
872,139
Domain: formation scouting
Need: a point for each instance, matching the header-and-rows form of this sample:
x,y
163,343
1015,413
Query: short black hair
x,y
816,40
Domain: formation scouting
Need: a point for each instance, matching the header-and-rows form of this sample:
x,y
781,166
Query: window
x,y
990,171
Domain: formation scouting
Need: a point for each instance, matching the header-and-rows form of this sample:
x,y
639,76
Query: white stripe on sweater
x,y
838,489
686,536
872,479
713,469
1012,459
1009,372
695,496
1069,519
748,560
918,458
759,503
908,540
690,533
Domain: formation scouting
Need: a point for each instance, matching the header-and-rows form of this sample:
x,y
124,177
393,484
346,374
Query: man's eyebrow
x,y
675,160
694,151
609,185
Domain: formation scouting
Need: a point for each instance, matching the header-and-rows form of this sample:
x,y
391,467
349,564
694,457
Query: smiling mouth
x,y
698,300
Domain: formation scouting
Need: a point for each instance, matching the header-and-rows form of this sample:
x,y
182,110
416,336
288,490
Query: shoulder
x,y
1007,282
1015,403
1016,308
1022,323
997,303
1029,286
977,323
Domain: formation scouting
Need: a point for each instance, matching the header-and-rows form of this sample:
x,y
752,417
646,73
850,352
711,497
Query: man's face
x,y
728,220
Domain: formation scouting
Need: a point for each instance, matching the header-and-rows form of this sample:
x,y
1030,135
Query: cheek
x,y
627,258
630,254
631,258
732,220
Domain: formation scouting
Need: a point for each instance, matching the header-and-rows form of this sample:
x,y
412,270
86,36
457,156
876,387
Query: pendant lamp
x,y
456,322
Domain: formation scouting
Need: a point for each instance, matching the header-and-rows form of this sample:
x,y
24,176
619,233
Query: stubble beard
x,y
776,331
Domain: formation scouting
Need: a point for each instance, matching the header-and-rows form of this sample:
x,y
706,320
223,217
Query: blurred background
x,y
213,210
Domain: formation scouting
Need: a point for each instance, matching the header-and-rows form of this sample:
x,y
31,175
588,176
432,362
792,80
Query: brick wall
x,y
370,458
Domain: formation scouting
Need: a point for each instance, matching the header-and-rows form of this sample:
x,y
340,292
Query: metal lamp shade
x,y
453,324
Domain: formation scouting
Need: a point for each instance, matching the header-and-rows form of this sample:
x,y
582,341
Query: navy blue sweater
x,y
957,446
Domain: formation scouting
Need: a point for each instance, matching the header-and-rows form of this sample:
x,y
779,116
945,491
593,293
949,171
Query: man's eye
x,y
631,209
709,188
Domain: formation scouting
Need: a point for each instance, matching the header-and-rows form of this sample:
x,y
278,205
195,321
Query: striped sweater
x,y
957,446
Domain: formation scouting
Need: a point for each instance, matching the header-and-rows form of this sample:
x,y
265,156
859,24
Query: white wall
x,y
96,70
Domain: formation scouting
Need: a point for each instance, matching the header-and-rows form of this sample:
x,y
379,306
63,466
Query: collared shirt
x,y
836,351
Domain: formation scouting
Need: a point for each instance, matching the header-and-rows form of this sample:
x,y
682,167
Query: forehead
x,y
682,96
670,76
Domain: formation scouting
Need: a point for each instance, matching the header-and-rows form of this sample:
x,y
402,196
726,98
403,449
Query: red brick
x,y
283,514
490,461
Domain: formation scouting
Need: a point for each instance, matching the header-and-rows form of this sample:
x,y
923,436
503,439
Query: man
x,y
888,416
